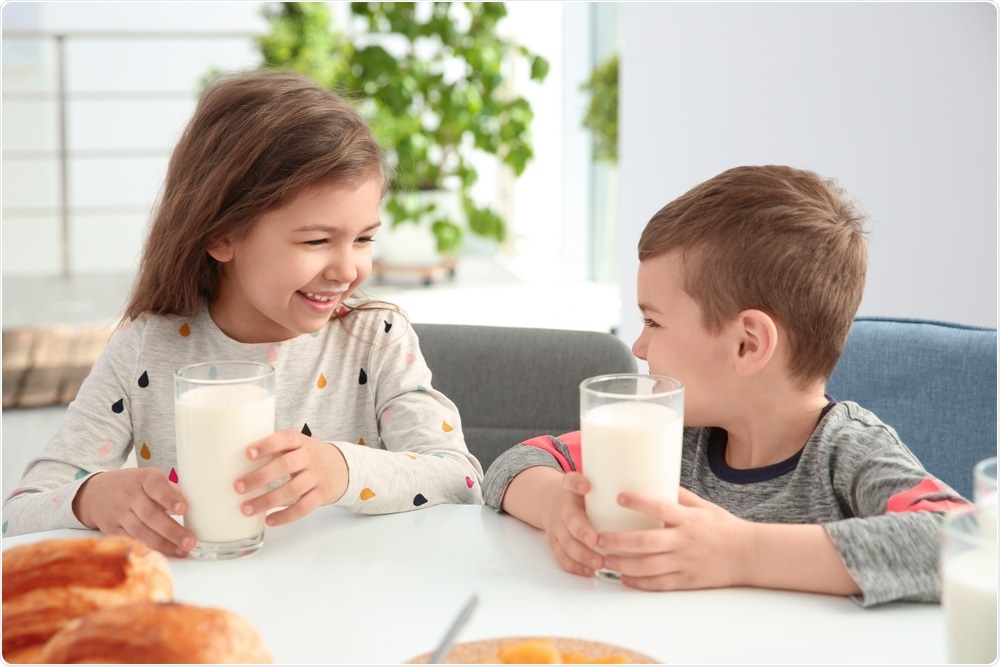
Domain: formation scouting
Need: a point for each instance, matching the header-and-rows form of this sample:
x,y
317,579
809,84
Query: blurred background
x,y
895,100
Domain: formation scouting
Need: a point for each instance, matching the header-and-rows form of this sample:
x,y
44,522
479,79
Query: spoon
x,y
456,626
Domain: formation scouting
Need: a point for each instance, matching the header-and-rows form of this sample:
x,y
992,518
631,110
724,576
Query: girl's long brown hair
x,y
256,139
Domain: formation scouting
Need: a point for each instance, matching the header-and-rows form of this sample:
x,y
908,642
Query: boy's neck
x,y
773,426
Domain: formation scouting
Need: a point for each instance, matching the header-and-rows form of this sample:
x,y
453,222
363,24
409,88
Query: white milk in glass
x,y
215,424
969,597
629,446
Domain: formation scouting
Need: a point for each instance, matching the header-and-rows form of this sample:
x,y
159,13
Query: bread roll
x,y
49,583
165,633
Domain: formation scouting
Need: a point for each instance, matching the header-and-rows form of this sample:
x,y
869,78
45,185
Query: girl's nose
x,y
341,268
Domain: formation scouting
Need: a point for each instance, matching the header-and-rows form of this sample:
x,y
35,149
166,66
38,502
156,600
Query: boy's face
x,y
675,343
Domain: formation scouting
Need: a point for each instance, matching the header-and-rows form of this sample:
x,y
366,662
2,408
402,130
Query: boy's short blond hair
x,y
778,239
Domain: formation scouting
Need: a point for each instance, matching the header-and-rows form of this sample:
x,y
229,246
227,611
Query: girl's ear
x,y
757,336
222,251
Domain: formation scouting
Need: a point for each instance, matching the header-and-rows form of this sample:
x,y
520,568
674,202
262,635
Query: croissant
x,y
151,632
50,583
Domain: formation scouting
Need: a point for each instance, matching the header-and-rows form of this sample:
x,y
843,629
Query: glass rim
x,y
954,527
984,464
266,368
677,386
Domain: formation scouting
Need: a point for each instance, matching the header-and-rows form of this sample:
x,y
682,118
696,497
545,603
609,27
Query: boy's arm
x,y
544,451
799,557
529,494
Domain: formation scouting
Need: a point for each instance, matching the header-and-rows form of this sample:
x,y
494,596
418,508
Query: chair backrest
x,y
512,383
934,382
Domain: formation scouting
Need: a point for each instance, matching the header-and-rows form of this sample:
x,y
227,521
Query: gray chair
x,y
513,383
934,382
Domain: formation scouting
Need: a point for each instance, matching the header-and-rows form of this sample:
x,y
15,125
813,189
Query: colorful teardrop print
x,y
119,406
185,330
361,441
412,457
321,382
362,377
4,527
80,474
388,325
272,354
386,416
104,449
367,494
306,431
213,373
419,500
421,387
173,476
58,499
410,357
144,380
144,452
446,427
469,481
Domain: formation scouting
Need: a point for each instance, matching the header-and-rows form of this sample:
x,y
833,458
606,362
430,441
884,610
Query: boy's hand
x,y
571,537
317,470
136,502
700,545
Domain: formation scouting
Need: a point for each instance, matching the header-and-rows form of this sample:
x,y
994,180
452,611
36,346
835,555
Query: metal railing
x,y
61,95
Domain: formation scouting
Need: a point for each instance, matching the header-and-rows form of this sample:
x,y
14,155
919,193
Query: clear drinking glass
x,y
969,586
220,408
631,431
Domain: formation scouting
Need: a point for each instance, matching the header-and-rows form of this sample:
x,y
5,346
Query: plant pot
x,y
411,244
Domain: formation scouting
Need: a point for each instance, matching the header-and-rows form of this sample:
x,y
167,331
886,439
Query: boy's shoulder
x,y
852,430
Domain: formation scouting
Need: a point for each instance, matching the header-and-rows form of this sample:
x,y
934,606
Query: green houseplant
x,y
432,80
601,116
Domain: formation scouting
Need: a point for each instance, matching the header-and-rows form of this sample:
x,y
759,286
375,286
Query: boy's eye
x,y
649,323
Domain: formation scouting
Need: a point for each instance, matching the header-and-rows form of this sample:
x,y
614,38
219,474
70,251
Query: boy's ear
x,y
757,336
222,250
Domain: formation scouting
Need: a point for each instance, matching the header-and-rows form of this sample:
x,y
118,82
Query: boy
x,y
748,285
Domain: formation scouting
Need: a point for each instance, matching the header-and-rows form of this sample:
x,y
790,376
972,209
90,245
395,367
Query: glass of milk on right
x,y
632,426
969,585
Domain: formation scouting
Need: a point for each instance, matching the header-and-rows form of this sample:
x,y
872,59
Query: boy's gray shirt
x,y
880,507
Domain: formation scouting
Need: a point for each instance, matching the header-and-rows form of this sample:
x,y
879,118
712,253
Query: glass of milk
x,y
220,408
631,431
969,585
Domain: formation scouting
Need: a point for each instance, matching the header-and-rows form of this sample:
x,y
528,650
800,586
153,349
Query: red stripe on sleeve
x,y
916,500
544,442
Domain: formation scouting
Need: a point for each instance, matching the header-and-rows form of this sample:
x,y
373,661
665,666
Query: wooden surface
x,y
46,365
486,651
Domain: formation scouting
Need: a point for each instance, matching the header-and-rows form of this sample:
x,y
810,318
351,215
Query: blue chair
x,y
934,382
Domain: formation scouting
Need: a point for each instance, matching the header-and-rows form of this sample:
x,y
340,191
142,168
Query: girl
x,y
263,234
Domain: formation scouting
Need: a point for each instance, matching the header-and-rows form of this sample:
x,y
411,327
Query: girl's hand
x,y
136,502
700,546
570,536
317,469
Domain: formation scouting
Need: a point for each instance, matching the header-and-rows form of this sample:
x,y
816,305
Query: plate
x,y
485,651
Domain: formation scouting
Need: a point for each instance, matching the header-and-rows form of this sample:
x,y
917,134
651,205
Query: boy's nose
x,y
639,349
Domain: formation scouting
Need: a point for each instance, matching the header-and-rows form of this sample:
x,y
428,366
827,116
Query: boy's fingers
x,y
575,483
670,513
691,499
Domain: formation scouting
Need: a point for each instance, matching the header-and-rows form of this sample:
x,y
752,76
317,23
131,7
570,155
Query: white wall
x,y
898,101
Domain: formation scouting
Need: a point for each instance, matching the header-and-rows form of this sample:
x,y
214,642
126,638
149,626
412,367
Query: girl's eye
x,y
366,240
315,242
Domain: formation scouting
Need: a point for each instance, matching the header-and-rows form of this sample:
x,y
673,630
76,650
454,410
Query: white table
x,y
337,587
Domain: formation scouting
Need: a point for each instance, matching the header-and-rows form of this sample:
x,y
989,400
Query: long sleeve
x,y
546,450
94,436
425,460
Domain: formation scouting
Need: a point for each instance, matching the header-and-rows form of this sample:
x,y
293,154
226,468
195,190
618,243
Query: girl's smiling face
x,y
297,264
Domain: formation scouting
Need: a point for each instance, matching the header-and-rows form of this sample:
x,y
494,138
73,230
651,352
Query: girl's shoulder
x,y
373,321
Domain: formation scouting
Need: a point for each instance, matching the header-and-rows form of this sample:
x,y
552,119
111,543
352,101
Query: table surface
x,y
338,587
